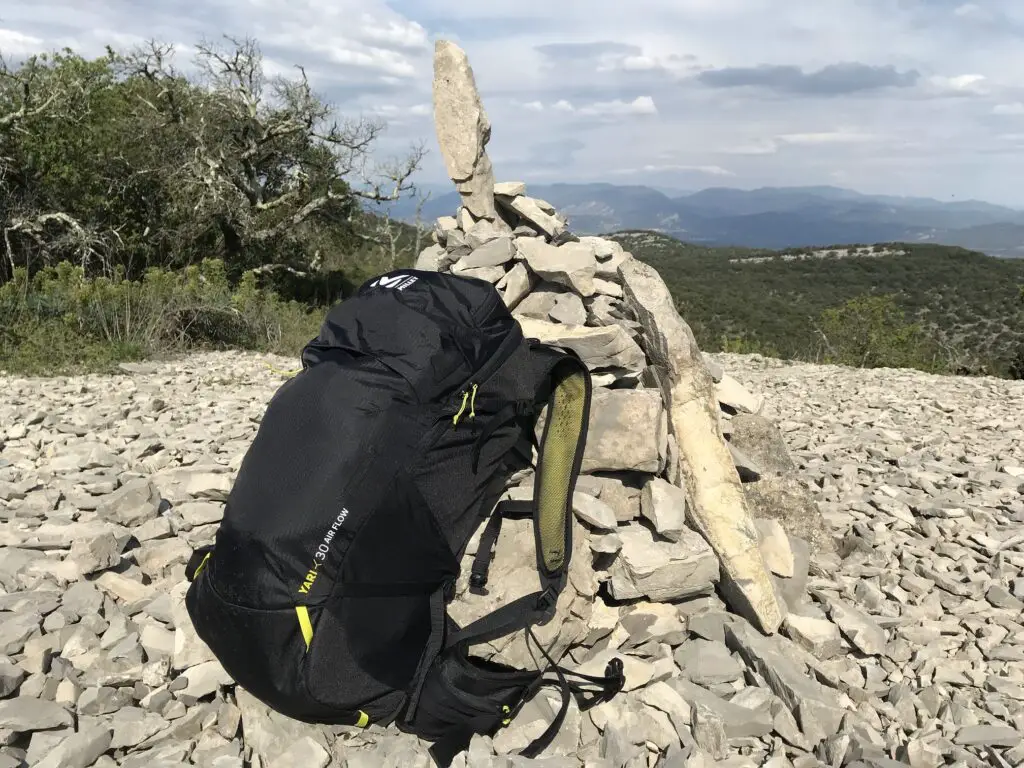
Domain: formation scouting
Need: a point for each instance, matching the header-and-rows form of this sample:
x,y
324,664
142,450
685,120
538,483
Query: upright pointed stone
x,y
463,130
718,508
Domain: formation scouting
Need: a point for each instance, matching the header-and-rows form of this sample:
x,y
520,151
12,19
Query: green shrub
x,y
60,320
743,345
872,332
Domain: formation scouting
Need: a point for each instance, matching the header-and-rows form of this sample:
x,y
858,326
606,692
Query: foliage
x,y
871,332
968,305
61,320
744,345
125,162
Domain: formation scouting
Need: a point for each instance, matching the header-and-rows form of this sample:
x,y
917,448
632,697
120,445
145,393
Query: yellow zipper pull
x,y
457,416
472,404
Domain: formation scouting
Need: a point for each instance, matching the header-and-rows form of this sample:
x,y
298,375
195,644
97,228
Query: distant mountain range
x,y
770,217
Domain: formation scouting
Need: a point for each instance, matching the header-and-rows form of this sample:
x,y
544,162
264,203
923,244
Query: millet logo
x,y
320,556
398,282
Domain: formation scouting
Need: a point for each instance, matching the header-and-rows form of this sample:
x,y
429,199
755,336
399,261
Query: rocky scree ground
x,y
906,646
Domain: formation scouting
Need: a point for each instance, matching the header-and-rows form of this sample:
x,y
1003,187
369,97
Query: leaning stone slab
x,y
529,209
718,506
734,395
600,348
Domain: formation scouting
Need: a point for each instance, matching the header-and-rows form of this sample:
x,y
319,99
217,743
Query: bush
x,y
1016,366
59,320
742,345
871,332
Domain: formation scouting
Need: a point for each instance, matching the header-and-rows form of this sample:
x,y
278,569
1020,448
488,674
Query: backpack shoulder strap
x,y
567,389
568,392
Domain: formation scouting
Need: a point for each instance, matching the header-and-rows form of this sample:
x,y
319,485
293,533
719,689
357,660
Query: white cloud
x,y
13,42
756,147
969,9
827,137
641,105
378,59
530,106
968,84
640,63
965,82
395,111
399,33
1014,108
708,170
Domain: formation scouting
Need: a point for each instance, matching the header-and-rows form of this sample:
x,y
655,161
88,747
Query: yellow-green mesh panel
x,y
565,423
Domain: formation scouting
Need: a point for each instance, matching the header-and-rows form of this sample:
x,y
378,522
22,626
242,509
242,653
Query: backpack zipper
x,y
468,397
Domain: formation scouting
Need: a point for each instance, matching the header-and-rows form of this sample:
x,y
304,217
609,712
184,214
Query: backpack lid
x,y
435,330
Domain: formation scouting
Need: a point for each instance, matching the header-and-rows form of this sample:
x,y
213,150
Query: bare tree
x,y
268,154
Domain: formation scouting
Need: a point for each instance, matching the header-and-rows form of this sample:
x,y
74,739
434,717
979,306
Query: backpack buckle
x,y
546,603
477,581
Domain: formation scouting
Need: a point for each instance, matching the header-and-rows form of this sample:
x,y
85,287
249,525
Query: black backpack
x,y
324,594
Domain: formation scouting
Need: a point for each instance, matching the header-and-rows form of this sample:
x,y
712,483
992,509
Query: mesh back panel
x,y
565,423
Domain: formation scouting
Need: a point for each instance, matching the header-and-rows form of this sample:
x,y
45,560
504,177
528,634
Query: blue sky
x,y
915,97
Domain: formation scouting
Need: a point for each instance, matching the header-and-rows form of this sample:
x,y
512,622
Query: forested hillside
x,y
956,309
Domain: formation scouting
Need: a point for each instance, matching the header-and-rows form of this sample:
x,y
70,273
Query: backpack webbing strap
x,y
601,689
515,510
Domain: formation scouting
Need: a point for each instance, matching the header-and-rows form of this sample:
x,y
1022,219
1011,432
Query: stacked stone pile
x,y
586,293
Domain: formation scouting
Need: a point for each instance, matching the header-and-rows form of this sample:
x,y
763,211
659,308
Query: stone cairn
x,y
686,493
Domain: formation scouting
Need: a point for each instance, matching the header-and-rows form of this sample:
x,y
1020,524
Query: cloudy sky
x,y
914,97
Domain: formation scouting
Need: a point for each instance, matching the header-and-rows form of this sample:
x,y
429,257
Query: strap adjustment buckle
x,y
477,580
547,602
